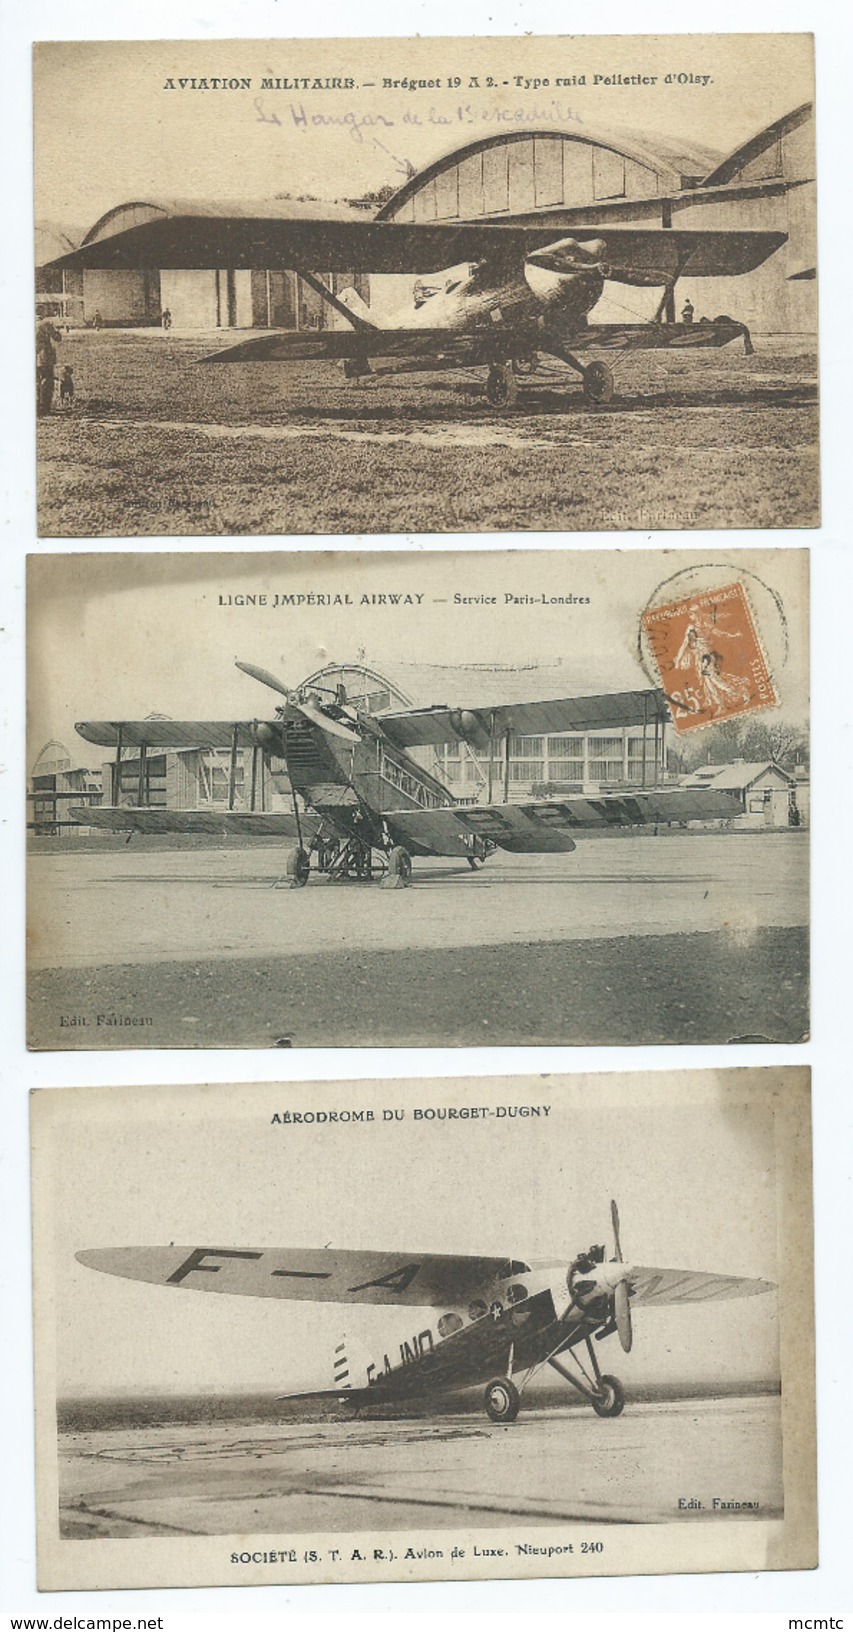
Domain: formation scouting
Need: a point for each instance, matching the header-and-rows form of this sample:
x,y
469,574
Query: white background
x,y
822,1593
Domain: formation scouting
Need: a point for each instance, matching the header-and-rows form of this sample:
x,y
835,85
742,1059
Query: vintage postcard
x,y
426,285
545,1326
418,799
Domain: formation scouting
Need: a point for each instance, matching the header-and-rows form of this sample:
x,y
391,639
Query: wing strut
x,y
232,768
326,295
116,768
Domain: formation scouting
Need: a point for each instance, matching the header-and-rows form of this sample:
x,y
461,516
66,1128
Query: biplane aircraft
x,y
465,1321
501,291
362,804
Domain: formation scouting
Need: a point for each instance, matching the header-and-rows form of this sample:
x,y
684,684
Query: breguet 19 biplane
x,y
362,806
501,292
465,1321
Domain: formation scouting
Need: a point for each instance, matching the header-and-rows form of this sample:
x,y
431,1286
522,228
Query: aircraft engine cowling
x,y
267,737
468,727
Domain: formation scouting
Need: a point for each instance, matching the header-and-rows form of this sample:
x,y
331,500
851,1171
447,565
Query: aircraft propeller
x,y
317,716
621,1295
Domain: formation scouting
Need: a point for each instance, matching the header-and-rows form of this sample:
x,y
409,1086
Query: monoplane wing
x,y
549,826
328,238
660,1286
279,824
324,1275
420,727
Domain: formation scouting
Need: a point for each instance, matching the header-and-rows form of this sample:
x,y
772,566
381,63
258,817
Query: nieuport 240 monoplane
x,y
501,292
497,1318
362,806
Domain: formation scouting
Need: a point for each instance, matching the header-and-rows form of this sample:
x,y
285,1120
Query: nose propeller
x,y
316,715
621,1296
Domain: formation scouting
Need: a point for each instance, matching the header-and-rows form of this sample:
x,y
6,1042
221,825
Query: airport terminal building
x,y
578,178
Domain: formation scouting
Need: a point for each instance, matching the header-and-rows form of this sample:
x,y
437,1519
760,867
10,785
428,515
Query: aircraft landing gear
x,y
611,1402
297,868
501,386
399,873
604,1393
598,383
502,1400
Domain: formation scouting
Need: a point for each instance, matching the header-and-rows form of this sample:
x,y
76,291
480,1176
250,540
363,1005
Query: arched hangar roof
x,y
51,242
138,212
738,163
669,160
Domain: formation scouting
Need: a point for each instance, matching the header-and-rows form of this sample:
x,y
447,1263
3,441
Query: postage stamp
x,y
709,658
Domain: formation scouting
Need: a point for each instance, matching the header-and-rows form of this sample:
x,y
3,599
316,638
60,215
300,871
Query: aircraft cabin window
x,y
516,1293
512,1267
448,1324
477,1310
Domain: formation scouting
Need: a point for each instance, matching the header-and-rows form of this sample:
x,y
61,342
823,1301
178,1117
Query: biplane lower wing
x,y
550,825
279,824
444,348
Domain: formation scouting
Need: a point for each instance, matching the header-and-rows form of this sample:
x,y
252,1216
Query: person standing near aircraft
x,y
48,338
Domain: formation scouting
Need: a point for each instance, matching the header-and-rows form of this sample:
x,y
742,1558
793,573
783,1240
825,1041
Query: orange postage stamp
x,y
709,658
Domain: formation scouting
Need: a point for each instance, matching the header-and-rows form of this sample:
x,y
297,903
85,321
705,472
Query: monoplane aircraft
x,y
473,1321
362,805
501,291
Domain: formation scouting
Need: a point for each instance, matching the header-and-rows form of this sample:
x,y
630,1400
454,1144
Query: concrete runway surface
x,y
700,935
551,1466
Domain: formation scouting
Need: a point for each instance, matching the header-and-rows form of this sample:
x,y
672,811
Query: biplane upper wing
x,y
329,238
168,733
543,826
421,727
325,1275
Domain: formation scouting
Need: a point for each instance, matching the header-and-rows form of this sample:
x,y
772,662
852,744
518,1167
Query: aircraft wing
x,y
660,1286
548,826
168,733
324,1275
442,347
419,727
329,239
280,824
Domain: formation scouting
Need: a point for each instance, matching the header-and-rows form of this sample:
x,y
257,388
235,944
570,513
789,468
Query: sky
x,y
690,1157
107,130
122,636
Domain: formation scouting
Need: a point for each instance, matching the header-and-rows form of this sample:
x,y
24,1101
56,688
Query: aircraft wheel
x,y
298,868
502,1400
399,873
598,383
501,387
612,1401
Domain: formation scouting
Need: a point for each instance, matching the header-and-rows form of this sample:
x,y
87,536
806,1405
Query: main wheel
x,y
399,873
612,1401
298,868
502,1400
598,385
501,387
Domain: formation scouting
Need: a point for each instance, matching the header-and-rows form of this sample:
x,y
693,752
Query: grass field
x,y
157,445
